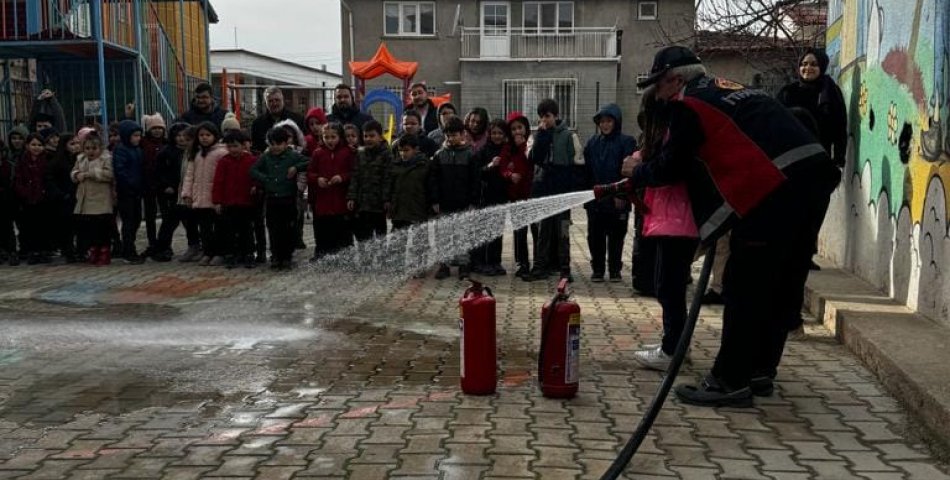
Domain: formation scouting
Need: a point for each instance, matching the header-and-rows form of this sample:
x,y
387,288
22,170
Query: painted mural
x,y
889,221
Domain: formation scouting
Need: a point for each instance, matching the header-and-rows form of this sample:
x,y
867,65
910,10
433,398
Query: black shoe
x,y
149,251
537,274
249,262
597,277
231,263
275,264
14,260
498,271
522,271
615,277
762,386
712,297
443,272
463,272
261,257
713,393
814,267
163,257
134,259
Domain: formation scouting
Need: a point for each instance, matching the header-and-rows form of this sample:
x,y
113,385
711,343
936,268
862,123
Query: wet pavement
x,y
120,372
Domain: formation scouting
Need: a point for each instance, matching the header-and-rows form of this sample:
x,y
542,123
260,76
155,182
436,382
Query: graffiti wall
x,y
888,221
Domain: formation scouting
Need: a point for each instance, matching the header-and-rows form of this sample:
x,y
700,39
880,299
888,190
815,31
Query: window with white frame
x,y
641,77
524,95
646,10
410,19
548,17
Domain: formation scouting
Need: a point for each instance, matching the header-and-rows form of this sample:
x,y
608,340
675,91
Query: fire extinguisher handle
x,y
562,286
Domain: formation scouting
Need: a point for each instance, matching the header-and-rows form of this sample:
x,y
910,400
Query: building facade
x,y
98,56
888,222
508,55
241,76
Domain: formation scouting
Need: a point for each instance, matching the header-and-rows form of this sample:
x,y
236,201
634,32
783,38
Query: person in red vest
x,y
750,168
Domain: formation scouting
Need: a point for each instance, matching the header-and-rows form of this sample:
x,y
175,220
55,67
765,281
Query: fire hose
x,y
616,468
646,422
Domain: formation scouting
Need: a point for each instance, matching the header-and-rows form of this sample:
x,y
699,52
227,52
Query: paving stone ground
x,y
377,396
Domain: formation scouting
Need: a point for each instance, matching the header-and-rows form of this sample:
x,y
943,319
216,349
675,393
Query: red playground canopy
x,y
382,63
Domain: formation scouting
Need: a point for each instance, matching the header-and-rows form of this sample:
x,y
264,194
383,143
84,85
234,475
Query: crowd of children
x,y
206,179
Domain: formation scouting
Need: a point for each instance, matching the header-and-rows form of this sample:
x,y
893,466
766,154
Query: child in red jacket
x,y
328,179
233,195
29,184
519,173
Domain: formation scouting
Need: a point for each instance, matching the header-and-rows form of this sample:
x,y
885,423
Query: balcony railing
x,y
519,43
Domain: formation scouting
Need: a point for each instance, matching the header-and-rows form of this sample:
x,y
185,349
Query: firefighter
x,y
751,168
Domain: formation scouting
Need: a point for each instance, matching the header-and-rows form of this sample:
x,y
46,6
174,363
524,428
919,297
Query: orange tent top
x,y
383,62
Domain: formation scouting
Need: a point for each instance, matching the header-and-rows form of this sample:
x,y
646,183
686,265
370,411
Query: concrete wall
x,y
888,221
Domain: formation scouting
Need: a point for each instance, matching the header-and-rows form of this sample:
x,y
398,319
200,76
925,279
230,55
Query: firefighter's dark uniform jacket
x,y
733,146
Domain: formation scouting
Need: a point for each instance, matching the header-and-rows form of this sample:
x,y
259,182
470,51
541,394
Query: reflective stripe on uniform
x,y
716,220
796,154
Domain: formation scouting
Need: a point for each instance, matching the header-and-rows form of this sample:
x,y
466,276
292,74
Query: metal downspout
x,y
100,53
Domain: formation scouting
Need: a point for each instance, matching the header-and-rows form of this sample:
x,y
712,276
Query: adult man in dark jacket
x,y
424,106
345,110
276,113
203,108
751,167
607,218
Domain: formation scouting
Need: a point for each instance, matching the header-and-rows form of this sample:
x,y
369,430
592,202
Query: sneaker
x,y
615,277
443,272
463,272
653,358
712,297
711,392
762,386
597,277
190,255
216,261
205,261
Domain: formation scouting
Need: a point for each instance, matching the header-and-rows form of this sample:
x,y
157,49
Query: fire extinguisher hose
x,y
616,468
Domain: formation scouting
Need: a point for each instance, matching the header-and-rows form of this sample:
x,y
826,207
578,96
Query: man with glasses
x,y
752,169
203,108
276,113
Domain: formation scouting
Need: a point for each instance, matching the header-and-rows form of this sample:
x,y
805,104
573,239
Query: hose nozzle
x,y
616,189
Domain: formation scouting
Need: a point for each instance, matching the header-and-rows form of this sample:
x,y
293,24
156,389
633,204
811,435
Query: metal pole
x,y
100,53
184,48
139,105
207,42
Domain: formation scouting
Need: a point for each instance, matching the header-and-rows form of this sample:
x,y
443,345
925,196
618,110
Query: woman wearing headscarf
x,y
817,93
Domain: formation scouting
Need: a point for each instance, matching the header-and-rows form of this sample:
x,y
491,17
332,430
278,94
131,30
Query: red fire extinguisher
x,y
559,355
477,342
